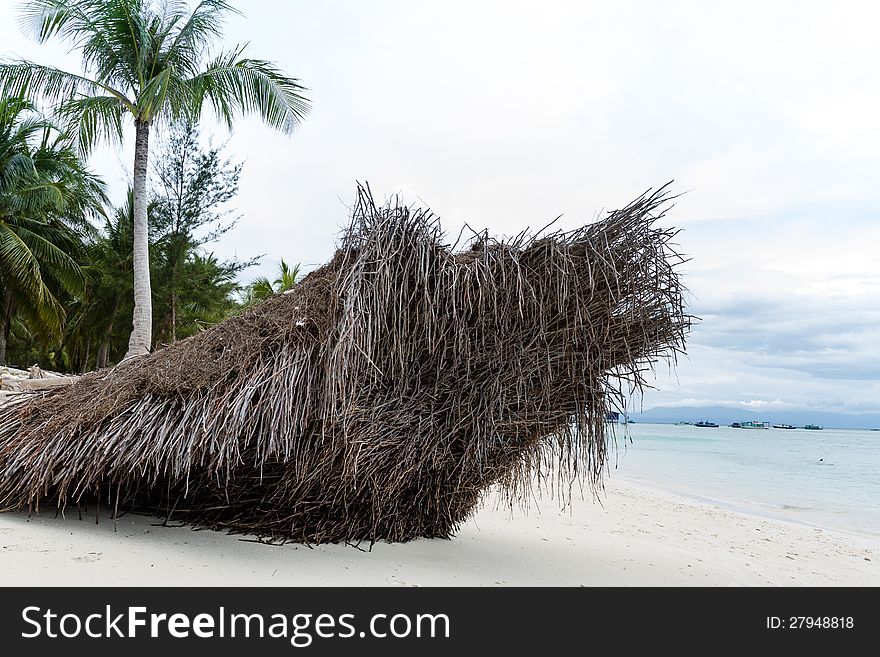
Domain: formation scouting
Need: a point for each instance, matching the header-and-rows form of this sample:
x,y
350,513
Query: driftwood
x,y
383,396
32,379
36,385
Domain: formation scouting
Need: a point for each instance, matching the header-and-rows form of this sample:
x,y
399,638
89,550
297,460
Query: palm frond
x,y
15,168
44,319
235,85
25,78
287,277
56,264
202,27
261,288
101,29
20,267
94,118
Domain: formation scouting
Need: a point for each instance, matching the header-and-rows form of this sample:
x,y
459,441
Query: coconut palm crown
x,y
150,62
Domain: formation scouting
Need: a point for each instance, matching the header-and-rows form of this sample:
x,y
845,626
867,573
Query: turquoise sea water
x,y
772,472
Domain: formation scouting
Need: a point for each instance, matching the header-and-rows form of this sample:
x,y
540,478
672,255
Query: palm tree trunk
x,y
103,355
5,322
84,365
174,316
142,322
102,360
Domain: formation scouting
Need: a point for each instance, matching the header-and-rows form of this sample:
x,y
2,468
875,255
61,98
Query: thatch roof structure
x,y
383,396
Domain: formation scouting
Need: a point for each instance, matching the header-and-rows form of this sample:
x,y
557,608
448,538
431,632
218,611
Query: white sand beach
x,y
638,536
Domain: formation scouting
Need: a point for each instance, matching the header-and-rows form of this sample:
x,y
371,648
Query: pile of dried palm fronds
x,y
380,398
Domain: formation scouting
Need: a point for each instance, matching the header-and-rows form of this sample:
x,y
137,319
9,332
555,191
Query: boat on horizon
x,y
704,424
753,424
683,423
784,426
812,427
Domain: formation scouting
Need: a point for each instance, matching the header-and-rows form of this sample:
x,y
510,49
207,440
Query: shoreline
x,y
638,535
755,509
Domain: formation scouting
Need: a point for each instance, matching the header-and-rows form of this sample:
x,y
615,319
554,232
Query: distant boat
x,y
617,418
704,424
783,426
752,424
683,423
736,425
813,427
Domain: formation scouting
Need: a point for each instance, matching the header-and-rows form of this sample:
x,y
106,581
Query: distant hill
x,y
725,415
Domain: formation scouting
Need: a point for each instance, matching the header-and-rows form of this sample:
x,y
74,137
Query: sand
x,y
638,536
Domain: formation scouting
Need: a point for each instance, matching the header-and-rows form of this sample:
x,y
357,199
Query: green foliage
x,y
193,187
262,288
192,289
153,62
96,334
207,294
46,197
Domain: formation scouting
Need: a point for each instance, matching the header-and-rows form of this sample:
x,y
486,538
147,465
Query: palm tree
x,y
148,61
46,198
209,285
262,288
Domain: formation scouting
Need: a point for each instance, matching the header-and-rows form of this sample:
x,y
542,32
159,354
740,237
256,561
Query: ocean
x,y
828,478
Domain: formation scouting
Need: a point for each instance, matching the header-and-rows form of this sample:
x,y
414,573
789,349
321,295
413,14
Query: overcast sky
x,y
506,114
